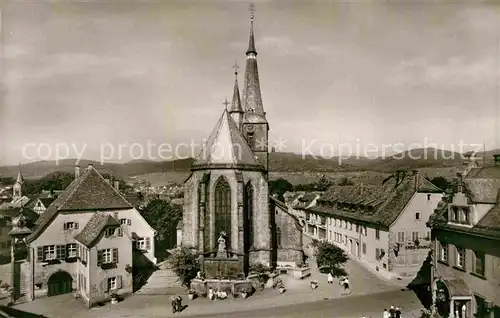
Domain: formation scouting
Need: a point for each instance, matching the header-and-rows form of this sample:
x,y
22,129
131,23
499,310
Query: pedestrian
x,y
330,278
386,314
210,294
346,285
397,312
174,304
392,312
179,303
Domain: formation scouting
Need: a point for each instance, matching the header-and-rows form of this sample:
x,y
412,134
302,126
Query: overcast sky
x,y
89,74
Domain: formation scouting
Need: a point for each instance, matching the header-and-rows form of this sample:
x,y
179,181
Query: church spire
x,y
17,188
254,127
20,178
236,111
252,100
251,41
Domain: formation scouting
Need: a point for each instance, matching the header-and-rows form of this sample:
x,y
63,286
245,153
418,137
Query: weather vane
x,y
252,10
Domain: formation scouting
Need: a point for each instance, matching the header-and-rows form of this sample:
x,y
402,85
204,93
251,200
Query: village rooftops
x,y
373,204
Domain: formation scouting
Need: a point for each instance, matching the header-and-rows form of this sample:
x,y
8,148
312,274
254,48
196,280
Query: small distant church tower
x,y
16,190
255,127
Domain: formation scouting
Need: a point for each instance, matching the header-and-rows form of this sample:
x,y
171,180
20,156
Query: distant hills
x,y
279,162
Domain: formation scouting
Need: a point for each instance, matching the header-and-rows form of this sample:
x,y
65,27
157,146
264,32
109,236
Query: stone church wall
x,y
289,240
189,236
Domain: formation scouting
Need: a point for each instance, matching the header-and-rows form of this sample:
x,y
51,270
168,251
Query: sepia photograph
x,y
229,158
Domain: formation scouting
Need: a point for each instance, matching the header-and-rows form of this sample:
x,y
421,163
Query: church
x,y
228,210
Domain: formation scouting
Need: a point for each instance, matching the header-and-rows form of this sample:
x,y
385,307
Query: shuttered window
x,y
107,256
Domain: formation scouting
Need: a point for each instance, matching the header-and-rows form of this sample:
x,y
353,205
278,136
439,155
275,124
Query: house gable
x,y
89,192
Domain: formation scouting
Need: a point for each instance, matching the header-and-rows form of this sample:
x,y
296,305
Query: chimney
x,y
460,182
361,188
77,171
497,159
117,185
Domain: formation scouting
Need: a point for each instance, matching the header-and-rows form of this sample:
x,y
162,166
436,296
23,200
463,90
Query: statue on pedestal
x,y
222,251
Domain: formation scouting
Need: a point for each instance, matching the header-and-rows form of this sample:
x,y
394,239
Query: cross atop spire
x,y
251,9
226,102
236,67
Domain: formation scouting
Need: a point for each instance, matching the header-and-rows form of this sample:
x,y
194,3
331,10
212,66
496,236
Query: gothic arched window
x,y
223,209
249,215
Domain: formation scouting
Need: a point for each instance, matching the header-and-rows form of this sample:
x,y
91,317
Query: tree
x,y
345,182
331,259
7,181
321,185
58,180
163,216
279,187
185,265
441,183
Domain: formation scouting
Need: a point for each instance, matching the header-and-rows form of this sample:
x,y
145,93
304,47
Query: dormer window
x,y
113,231
460,215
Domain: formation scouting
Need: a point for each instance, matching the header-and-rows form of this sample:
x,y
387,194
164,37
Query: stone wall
x,y
289,237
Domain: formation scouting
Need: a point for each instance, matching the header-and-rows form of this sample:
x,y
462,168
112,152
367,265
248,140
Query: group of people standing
x,y
392,313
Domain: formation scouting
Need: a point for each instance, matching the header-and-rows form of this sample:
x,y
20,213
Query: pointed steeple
x,y
236,104
20,178
225,147
252,100
236,111
251,40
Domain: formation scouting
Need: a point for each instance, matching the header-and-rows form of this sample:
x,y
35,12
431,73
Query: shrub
x,y
185,264
331,259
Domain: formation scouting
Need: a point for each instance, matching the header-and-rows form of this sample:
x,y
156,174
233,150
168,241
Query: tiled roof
x,y
491,221
94,228
90,192
387,200
482,190
485,172
226,146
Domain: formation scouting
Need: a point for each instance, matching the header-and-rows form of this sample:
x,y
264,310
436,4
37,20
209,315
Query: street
x,y
349,307
369,296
